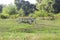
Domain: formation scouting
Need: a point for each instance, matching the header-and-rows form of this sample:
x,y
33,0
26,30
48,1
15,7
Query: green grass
x,y
42,30
29,36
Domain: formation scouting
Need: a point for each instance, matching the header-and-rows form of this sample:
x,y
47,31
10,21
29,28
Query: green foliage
x,y
25,8
39,1
4,16
14,16
41,13
52,15
18,4
21,13
9,10
46,5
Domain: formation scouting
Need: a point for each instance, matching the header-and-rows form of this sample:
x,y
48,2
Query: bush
x,y
14,16
4,16
21,12
39,14
9,12
51,15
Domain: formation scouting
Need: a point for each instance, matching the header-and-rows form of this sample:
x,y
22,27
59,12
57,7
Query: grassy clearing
x,y
44,26
42,30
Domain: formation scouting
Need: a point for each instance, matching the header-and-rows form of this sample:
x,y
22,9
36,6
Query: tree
x,y
26,6
9,11
19,4
21,13
1,7
29,8
46,5
56,6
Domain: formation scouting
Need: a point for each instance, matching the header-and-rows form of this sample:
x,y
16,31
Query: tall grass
x,y
42,30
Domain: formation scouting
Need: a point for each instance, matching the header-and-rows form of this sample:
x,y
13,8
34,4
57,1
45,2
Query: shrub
x,y
39,14
51,15
4,16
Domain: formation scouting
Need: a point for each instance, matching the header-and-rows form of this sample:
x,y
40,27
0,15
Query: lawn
x,y
43,30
